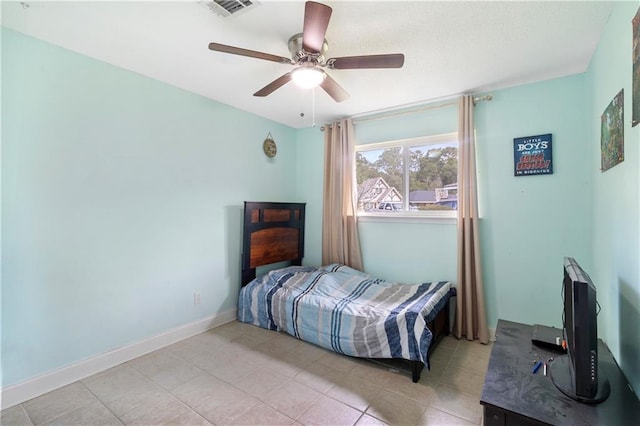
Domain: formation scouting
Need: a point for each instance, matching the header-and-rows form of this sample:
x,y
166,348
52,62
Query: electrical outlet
x,y
196,298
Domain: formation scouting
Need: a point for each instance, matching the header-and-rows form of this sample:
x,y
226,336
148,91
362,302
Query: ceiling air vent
x,y
226,8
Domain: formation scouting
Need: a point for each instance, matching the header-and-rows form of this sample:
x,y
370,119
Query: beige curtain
x,y
471,319
340,242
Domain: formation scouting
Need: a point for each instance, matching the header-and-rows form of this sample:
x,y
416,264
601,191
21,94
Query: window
x,y
414,176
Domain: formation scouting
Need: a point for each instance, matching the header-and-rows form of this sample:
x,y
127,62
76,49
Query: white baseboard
x,y
39,385
492,334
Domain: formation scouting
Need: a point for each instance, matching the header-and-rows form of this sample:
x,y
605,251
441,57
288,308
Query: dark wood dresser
x,y
513,395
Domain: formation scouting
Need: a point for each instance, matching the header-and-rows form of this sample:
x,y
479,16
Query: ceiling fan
x,y
307,53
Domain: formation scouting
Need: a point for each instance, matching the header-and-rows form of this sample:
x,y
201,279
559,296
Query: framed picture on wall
x,y
635,97
532,155
612,133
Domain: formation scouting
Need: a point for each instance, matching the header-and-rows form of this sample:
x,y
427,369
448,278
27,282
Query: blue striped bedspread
x,y
345,310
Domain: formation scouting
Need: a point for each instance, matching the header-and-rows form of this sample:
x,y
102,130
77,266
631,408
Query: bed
x,y
334,306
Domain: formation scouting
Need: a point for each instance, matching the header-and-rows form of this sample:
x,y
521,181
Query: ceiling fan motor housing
x,y
299,55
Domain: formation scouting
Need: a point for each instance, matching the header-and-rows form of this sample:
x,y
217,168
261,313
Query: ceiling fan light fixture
x,y
307,77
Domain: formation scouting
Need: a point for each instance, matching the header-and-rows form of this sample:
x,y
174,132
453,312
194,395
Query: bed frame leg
x,y
416,369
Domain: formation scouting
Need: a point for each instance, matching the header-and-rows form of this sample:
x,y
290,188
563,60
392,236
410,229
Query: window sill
x,y
444,218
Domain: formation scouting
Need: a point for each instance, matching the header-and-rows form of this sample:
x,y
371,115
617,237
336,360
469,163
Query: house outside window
x,y
413,177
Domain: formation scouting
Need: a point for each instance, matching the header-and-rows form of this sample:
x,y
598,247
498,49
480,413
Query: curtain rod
x,y
426,107
383,116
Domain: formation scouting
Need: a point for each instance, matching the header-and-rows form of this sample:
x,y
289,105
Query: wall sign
x,y
532,155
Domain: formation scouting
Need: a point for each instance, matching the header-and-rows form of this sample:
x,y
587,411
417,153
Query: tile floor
x,y
239,374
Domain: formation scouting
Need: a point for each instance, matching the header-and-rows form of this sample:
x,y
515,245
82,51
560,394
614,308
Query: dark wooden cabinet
x,y
513,395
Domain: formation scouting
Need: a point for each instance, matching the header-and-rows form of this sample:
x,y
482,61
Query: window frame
x,y
406,215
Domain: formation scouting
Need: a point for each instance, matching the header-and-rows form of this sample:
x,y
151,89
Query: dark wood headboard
x,y
272,232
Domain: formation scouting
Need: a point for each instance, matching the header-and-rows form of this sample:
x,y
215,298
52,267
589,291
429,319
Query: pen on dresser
x,y
536,367
545,369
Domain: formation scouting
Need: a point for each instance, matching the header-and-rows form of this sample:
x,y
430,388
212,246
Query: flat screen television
x,y
576,374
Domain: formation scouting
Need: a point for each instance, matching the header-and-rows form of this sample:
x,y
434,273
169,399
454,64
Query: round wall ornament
x,y
269,147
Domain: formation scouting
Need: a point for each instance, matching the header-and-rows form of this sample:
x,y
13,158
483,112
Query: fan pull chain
x,y
313,108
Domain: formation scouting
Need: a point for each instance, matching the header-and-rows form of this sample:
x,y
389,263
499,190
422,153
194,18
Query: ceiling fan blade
x,y
316,21
333,89
394,60
250,53
274,85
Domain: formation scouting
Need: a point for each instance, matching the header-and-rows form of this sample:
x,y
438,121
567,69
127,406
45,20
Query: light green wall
x,y
616,198
409,252
529,223
121,197
439,118
309,184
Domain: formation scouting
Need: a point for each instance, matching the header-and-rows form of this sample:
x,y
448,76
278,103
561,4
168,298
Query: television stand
x,y
513,395
561,377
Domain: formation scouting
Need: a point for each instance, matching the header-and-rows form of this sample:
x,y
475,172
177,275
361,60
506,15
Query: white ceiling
x,y
450,47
